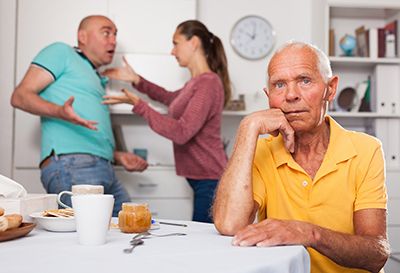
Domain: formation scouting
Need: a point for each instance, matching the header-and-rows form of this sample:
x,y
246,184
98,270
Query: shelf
x,y
348,9
361,115
235,113
128,111
362,61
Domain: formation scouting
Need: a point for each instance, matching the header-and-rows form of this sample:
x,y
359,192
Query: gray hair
x,y
324,65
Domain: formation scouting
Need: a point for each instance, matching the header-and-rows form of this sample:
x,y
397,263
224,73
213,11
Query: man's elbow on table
x,y
229,226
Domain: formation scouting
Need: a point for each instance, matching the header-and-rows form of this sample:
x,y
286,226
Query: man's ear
x,y
266,91
332,87
82,36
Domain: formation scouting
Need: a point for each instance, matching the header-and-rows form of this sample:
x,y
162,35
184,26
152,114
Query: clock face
x,y
252,37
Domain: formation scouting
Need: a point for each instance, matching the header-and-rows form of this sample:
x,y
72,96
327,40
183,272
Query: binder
x,y
387,88
373,43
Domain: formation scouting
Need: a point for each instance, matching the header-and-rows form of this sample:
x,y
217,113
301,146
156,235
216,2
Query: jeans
x,y
64,171
204,190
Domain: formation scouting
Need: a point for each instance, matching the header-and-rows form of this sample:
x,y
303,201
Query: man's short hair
x,y
324,65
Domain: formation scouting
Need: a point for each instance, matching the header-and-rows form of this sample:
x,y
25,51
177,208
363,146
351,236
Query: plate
x,y
57,224
14,233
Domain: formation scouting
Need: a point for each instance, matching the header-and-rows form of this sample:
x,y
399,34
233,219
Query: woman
x,y
193,121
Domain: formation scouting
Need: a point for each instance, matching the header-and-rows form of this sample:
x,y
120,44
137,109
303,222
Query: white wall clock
x,y
252,37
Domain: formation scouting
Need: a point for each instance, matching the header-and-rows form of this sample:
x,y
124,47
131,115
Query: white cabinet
x,y
383,121
344,17
168,195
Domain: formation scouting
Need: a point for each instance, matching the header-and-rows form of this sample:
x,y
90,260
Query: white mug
x,y
80,189
92,216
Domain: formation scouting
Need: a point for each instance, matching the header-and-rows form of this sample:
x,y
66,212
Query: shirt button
x,y
305,183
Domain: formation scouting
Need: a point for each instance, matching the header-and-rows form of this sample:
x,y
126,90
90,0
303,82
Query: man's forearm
x,y
34,104
234,205
356,251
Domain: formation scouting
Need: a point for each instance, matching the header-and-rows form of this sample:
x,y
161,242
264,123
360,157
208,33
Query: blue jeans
x,y
64,171
204,190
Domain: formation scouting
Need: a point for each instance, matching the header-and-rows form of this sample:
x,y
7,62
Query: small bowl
x,y
57,224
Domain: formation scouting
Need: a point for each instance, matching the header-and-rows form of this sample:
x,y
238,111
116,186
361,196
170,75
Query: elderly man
x,y
76,149
312,182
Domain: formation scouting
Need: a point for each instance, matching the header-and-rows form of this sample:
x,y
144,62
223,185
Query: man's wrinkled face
x,y
297,88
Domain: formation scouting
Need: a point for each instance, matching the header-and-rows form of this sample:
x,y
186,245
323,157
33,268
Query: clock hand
x,y
254,31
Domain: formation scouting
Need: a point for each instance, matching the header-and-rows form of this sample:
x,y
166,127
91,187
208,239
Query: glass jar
x,y
134,218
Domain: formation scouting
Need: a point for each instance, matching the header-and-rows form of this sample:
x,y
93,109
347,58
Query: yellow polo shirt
x,y
350,178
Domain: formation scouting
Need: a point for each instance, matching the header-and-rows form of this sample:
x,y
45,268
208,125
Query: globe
x,y
347,44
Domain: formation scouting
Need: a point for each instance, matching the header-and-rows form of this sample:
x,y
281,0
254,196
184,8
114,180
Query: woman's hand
x,y
123,73
127,97
130,162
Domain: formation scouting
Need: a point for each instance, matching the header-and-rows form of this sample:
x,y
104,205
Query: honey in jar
x,y
134,218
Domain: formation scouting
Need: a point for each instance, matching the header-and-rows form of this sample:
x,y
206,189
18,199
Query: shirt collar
x,y
79,51
340,147
103,80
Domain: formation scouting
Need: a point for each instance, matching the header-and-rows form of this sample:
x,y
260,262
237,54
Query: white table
x,y
202,250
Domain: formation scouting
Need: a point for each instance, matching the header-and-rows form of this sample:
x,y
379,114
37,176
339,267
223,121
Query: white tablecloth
x,y
202,250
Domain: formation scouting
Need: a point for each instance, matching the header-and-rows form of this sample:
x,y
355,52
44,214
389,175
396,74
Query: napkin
x,y
11,189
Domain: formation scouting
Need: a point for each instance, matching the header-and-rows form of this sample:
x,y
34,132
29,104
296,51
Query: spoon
x,y
148,235
134,243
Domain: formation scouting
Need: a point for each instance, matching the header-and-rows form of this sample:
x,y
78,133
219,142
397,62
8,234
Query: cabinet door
x,y
394,238
388,130
157,182
387,88
393,212
148,26
176,209
392,184
29,179
40,23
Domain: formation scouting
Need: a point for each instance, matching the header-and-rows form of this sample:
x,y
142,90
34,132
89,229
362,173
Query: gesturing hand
x,y
130,162
123,73
127,97
272,232
67,113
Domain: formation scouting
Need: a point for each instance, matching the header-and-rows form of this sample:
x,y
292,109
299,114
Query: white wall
x,y
248,77
7,69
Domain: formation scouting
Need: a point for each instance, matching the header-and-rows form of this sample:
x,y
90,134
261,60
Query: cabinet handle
x,y
148,185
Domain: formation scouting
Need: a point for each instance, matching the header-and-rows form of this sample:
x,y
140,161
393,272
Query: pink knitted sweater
x,y
193,123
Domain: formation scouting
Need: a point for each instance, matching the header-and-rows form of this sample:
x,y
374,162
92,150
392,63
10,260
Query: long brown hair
x,y
213,49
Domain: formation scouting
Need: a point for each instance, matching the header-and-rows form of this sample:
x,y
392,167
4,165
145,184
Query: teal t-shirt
x,y
75,76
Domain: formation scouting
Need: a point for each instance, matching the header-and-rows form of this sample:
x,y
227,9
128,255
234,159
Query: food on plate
x,y
10,221
1,211
14,220
3,223
67,213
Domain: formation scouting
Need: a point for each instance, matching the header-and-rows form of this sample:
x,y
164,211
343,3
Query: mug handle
x,y
59,199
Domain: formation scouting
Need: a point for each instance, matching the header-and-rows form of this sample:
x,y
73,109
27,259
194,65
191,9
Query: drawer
x,y
178,209
394,238
156,182
393,211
